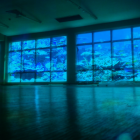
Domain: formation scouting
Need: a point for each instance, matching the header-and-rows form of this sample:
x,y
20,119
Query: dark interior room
x,y
70,70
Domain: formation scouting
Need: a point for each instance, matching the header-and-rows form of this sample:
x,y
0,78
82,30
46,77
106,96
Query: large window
x,y
112,55
42,60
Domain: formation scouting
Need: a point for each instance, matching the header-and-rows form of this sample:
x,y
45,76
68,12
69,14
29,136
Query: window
x,y
84,38
136,32
84,57
122,55
42,60
136,44
109,55
102,56
102,36
136,52
123,75
84,75
121,34
102,75
94,57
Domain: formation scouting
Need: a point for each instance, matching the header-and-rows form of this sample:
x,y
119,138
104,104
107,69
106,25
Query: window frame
x,y
35,72
111,42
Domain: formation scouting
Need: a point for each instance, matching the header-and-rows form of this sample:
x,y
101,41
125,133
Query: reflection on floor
x,y
69,113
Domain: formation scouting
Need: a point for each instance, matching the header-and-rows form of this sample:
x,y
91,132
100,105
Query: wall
x,y
71,34
2,55
2,37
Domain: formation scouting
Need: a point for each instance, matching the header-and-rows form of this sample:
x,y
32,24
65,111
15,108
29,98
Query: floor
x,y
69,113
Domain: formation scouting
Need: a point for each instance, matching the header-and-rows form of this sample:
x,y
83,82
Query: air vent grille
x,y
69,18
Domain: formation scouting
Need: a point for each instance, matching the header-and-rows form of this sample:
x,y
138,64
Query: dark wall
x,y
96,27
71,34
2,52
0,64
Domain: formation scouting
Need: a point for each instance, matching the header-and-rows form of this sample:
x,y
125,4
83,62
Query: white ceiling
x,y
48,10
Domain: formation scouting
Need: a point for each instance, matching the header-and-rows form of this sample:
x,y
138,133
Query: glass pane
x,y
136,32
137,75
14,77
102,56
136,53
122,34
30,44
28,60
84,38
43,77
102,36
14,46
27,77
84,76
58,76
123,75
14,62
42,43
59,59
122,55
102,75
43,60
59,41
84,57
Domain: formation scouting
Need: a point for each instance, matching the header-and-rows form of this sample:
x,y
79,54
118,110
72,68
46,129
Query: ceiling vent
x,y
69,18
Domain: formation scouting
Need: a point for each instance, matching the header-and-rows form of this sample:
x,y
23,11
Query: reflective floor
x,y
69,113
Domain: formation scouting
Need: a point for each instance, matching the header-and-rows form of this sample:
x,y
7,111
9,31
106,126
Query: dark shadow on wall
x,y
1,61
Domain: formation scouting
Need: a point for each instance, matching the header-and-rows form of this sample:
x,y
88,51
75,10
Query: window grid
x,y
50,59
135,68
94,68
35,61
132,47
35,72
112,50
92,55
21,62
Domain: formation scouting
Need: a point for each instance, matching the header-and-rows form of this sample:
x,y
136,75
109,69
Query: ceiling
x,y
48,10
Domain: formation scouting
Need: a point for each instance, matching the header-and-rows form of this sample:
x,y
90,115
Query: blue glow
x,y
43,43
43,60
14,46
102,36
14,77
59,59
28,60
102,56
84,38
84,57
27,77
59,41
136,47
136,32
137,75
30,44
121,34
100,60
14,62
122,55
123,75
58,76
102,75
84,76
43,77
35,64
